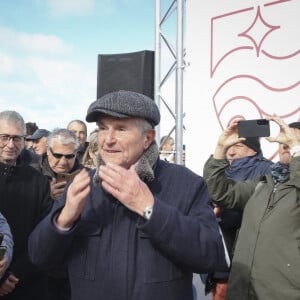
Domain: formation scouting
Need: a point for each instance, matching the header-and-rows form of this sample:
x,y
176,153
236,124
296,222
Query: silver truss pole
x,y
178,67
157,59
179,84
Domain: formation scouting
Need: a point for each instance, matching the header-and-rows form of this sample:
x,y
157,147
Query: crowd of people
x,y
110,215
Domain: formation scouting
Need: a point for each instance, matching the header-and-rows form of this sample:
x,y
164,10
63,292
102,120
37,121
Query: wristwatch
x,y
295,150
147,212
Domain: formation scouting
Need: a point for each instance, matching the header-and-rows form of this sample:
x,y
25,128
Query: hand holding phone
x,y
66,176
58,184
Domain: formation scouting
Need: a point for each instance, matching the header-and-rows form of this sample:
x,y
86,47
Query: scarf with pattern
x,y
279,172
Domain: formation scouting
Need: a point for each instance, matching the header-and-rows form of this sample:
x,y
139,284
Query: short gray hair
x,y
13,117
144,125
65,137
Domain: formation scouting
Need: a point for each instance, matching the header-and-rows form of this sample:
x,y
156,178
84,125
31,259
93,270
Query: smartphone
x,y
2,252
254,128
66,176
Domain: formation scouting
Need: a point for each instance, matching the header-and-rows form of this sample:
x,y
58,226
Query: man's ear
x,y
149,137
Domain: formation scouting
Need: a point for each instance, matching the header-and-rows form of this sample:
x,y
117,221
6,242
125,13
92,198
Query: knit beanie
x,y
295,125
253,143
124,104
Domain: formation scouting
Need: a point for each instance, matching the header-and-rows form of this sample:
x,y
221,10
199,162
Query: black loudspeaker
x,y
127,71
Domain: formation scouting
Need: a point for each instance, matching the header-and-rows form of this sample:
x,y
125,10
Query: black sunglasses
x,y
59,155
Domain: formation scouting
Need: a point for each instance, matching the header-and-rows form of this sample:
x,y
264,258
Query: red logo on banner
x,y
255,64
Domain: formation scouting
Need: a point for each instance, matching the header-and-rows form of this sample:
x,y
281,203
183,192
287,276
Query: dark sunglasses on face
x,y
59,155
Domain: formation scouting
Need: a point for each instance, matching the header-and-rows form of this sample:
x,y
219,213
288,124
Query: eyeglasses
x,y
5,138
59,155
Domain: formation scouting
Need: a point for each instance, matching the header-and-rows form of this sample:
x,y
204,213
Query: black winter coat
x,y
114,254
24,201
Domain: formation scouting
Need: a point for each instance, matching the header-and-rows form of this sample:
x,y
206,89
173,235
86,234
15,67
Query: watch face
x,y
147,212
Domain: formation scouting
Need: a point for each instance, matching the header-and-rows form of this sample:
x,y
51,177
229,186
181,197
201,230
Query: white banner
x,y
243,59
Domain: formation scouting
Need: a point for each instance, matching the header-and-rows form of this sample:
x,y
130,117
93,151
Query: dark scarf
x,y
144,166
248,167
279,172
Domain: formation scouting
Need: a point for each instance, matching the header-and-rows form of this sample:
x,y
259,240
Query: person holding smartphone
x,y
246,161
60,163
266,261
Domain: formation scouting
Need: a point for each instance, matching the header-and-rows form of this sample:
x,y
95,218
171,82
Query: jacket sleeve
x,y
225,192
22,267
7,238
46,239
295,175
189,238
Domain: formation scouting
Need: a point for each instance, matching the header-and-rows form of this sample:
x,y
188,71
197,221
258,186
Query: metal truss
x,y
164,73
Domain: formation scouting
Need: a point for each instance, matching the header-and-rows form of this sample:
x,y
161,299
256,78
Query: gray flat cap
x,y
124,104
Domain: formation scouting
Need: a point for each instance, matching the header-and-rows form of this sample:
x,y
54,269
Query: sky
x,y
49,52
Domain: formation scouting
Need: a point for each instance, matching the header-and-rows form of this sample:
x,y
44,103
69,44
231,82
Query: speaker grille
x,y
127,71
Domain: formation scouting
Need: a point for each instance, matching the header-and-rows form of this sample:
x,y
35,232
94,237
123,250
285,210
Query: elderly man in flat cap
x,y
137,227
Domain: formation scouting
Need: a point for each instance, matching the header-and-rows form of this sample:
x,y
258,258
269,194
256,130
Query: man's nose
x,y
10,143
110,136
231,151
285,147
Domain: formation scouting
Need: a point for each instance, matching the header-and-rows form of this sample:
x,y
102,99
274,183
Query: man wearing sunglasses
x,y
59,161
60,165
